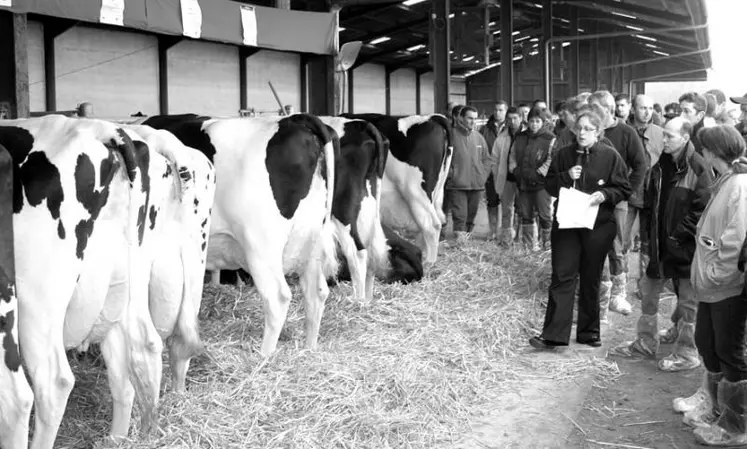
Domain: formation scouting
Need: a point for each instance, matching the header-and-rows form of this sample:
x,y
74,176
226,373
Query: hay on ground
x,y
406,370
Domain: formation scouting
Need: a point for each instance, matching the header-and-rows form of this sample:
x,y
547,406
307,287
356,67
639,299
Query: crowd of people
x,y
679,173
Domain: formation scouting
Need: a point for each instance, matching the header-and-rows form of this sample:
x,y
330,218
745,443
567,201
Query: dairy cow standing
x,y
415,174
273,205
180,248
16,397
85,197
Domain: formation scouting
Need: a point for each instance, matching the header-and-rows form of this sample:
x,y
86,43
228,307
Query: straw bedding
x,y
406,370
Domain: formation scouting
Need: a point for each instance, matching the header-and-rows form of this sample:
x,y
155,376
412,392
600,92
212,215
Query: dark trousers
x,y
576,252
719,337
539,201
490,194
463,205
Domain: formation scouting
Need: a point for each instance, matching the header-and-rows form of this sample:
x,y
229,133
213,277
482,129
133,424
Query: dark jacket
x,y
531,159
490,132
470,162
678,193
602,170
626,141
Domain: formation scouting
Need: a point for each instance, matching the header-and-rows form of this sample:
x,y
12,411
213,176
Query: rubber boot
x,y
492,223
529,237
684,354
730,429
645,345
604,301
618,297
545,237
707,411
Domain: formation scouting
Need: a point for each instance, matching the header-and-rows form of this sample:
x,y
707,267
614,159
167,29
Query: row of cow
x,y
106,230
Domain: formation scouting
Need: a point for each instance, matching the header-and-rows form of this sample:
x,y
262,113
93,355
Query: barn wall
x,y
426,93
402,92
37,91
458,91
203,78
116,71
283,69
369,86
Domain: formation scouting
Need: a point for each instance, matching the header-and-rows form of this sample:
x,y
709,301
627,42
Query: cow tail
x,y
188,344
320,131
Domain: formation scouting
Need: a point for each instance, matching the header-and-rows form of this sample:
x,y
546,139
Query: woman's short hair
x,y
540,113
592,116
723,141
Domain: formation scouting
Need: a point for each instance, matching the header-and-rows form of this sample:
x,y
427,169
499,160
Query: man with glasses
x,y
693,109
679,192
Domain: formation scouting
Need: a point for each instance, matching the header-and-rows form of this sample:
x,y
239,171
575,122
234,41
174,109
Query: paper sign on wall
x,y
112,12
249,24
191,18
7,3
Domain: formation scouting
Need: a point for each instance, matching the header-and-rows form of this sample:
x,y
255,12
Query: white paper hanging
x,y
575,210
191,18
112,12
7,3
249,25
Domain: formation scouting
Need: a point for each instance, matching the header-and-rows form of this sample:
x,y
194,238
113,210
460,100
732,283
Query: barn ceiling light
x,y
341,29
564,20
651,46
565,44
515,33
523,38
451,16
497,32
631,27
379,40
412,2
661,53
533,53
627,16
537,5
416,47
468,58
492,23
482,69
640,36
534,39
517,58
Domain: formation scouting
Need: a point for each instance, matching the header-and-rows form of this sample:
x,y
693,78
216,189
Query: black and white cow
x,y
273,206
180,248
16,397
415,174
360,157
85,199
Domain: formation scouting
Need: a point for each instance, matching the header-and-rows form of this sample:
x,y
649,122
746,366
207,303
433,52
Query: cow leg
x,y
51,376
144,347
315,293
370,276
425,217
114,350
276,297
215,277
16,397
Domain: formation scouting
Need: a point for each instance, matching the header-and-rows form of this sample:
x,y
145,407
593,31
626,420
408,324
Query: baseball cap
x,y
739,100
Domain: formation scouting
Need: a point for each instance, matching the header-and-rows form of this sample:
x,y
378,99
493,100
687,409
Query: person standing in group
x,y
495,126
627,143
693,108
470,166
529,161
742,124
524,110
721,420
622,108
598,170
505,181
679,191
720,114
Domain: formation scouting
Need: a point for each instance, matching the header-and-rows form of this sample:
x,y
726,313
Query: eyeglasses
x,y
586,129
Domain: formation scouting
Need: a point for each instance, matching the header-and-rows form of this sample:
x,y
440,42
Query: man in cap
x,y
742,125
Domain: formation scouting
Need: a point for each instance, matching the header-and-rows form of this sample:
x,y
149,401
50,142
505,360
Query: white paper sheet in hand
x,y
575,210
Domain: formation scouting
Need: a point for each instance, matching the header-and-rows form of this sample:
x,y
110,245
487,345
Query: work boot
x,y
492,223
707,411
529,237
690,403
618,296
684,355
506,238
730,429
545,237
645,345
668,336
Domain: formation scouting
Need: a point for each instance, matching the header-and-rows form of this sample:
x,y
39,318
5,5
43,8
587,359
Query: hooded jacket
x,y
471,161
530,159
720,238
490,131
678,193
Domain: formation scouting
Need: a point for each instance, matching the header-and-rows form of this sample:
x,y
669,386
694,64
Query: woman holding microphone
x,y
597,169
